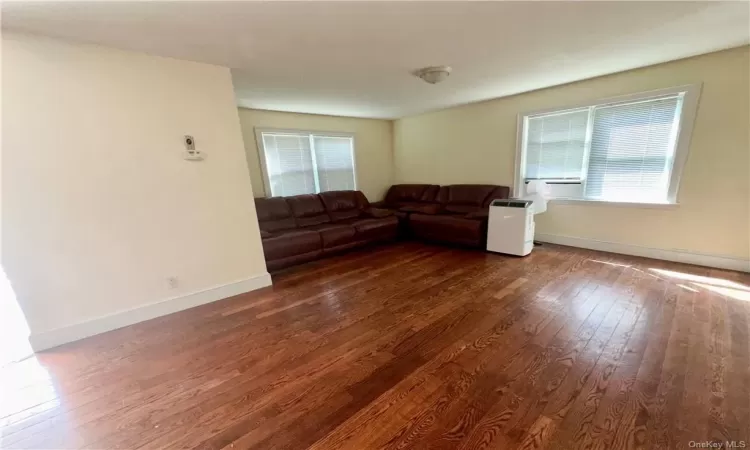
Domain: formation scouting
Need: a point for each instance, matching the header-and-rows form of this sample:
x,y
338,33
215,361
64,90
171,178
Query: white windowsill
x,y
582,201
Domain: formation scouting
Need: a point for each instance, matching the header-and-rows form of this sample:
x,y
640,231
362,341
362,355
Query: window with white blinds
x,y
630,150
298,162
289,165
334,163
555,146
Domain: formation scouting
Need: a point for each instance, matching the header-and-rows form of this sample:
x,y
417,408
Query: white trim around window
x,y
311,135
573,191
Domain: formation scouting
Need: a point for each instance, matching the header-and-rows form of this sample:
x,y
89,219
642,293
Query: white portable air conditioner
x,y
510,228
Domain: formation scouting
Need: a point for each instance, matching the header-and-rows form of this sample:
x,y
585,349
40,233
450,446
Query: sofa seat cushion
x,y
425,208
448,228
400,205
379,212
374,228
335,234
482,214
291,243
461,210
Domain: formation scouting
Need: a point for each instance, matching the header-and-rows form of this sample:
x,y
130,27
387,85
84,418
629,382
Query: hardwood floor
x,y
413,347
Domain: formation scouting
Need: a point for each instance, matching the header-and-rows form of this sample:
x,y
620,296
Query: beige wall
x,y
98,206
373,141
477,144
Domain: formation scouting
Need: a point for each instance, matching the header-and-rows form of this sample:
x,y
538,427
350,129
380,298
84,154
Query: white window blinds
x,y
334,164
289,164
307,163
632,150
555,145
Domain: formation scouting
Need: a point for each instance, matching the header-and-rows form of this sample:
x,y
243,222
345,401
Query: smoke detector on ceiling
x,y
433,75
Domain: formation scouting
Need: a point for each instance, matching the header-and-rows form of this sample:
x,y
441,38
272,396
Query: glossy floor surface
x,y
414,347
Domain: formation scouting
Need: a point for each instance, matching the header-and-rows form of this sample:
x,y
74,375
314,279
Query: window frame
x,y
310,134
682,141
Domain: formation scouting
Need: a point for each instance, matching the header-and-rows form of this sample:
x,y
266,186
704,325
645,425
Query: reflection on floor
x,y
728,288
14,332
413,346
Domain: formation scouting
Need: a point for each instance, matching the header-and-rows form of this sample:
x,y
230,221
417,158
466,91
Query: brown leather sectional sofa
x,y
455,214
306,227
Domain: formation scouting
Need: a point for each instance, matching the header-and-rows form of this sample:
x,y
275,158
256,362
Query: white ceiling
x,y
355,58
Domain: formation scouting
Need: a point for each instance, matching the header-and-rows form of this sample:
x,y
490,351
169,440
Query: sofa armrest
x,y
378,212
380,204
265,234
479,215
421,209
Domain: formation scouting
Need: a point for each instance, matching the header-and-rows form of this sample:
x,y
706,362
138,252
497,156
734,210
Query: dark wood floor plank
x,y
417,347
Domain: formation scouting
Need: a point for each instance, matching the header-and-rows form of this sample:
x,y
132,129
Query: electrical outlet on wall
x,y
173,282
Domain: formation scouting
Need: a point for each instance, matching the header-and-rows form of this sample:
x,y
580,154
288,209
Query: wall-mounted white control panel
x,y
190,153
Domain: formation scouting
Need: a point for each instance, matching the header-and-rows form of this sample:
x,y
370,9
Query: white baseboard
x,y
59,336
721,262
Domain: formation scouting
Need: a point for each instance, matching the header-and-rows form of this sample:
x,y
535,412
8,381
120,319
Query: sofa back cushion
x,y
274,214
342,205
411,193
308,210
464,198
